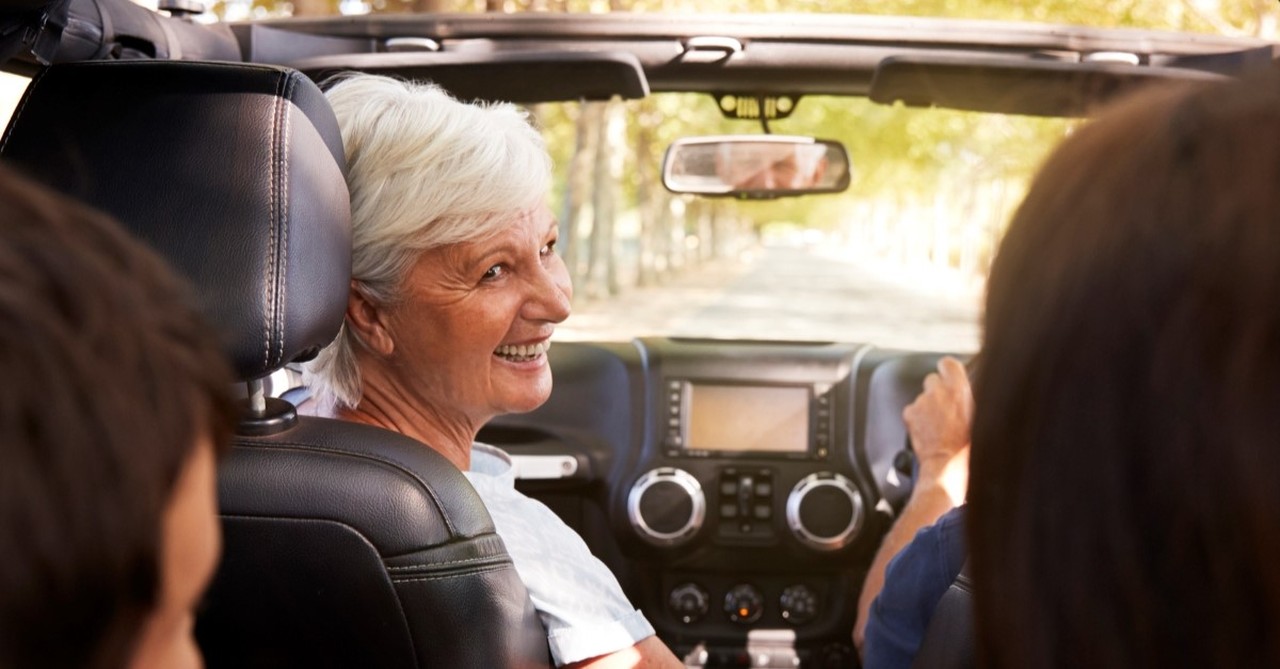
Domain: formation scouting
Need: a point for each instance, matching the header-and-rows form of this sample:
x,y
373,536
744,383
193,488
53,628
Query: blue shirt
x,y
914,583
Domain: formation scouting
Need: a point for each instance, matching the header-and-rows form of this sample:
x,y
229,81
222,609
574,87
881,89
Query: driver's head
x,y
112,408
772,166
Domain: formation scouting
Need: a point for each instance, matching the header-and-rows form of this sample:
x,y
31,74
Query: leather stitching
x,y
268,292
31,89
299,446
285,211
437,564
461,574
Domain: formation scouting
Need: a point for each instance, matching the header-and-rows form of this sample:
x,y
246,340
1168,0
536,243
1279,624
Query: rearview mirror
x,y
755,166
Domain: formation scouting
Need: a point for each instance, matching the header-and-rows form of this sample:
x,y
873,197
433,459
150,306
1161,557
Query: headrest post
x,y
257,396
265,415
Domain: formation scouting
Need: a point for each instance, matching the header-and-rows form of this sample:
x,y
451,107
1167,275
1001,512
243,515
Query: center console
x,y
750,505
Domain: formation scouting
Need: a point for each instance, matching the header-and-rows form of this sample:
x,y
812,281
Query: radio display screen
x,y
747,418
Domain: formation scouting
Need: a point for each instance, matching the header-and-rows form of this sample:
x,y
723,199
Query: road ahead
x,y
794,293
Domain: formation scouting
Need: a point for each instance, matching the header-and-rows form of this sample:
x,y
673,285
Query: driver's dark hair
x,y
107,379
1126,437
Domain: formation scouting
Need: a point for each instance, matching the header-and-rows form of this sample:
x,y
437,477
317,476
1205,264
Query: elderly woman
x,y
455,292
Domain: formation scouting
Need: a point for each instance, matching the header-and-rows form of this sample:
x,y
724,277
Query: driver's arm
x,y
938,422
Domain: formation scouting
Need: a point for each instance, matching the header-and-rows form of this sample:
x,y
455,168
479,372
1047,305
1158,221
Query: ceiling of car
x,y
1003,67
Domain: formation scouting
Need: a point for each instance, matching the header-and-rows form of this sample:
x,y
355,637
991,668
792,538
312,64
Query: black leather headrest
x,y
234,172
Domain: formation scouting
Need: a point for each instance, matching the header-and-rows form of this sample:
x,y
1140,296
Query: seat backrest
x,y
344,545
949,641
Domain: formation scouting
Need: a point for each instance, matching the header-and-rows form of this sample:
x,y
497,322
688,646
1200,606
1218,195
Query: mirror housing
x,y
755,166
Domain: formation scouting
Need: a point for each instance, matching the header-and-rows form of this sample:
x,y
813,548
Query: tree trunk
x,y
601,247
615,134
494,5
592,119
577,185
661,237
646,201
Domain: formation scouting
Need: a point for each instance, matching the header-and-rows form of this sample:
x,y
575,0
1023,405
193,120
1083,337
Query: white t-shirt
x,y
577,597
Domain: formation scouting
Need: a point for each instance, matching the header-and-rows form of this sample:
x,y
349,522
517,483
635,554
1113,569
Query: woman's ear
x,y
369,321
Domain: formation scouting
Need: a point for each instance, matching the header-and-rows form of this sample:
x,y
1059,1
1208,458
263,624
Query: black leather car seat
x,y
949,641
344,545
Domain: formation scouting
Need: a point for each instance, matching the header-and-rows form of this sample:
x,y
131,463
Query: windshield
x,y
898,260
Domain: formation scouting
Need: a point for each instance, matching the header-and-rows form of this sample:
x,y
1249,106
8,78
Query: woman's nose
x,y
552,293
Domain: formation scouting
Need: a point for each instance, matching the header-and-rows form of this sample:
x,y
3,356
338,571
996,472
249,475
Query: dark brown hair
x,y
1126,438
107,378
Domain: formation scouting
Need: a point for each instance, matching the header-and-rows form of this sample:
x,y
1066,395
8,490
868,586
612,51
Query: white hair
x,y
424,171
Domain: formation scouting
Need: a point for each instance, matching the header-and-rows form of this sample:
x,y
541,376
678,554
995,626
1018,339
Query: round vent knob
x,y
666,506
825,511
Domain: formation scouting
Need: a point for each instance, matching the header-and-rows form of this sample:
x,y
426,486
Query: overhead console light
x,y
710,49
1112,57
411,45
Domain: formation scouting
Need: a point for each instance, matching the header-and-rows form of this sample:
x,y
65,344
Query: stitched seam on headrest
x,y
285,205
22,105
282,219
268,289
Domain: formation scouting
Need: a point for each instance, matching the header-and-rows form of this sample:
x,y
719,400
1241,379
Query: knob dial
x,y
666,506
744,604
825,511
798,604
688,602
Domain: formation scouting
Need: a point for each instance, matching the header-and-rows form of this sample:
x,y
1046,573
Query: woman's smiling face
x,y
472,331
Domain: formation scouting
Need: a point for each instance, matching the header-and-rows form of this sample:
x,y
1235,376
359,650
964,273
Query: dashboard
x,y
738,490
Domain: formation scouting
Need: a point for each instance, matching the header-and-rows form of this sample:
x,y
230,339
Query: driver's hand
x,y
938,422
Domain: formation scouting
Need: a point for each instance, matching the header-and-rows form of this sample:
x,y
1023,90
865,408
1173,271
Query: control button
x,y
674,385
824,400
675,440
728,487
675,410
728,510
745,528
675,397
744,604
762,511
673,422
764,489
688,602
798,604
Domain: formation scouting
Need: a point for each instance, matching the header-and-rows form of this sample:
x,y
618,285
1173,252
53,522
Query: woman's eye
x,y
494,272
548,249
